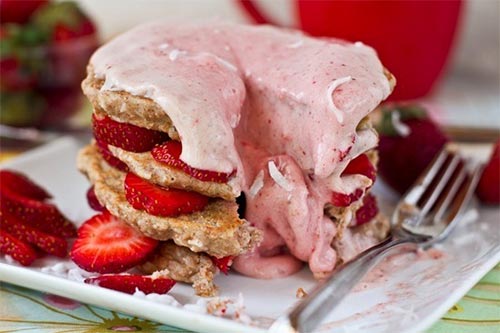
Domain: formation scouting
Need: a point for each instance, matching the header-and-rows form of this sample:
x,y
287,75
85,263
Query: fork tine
x,y
461,200
421,184
445,200
440,186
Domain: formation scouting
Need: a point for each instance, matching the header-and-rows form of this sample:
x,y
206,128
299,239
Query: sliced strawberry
x,y
41,215
128,283
106,244
161,201
22,185
170,152
49,244
343,200
223,264
93,201
368,211
108,156
360,165
126,136
17,249
488,188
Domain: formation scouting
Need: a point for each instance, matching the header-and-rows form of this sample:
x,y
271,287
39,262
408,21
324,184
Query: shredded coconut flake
x,y
278,177
175,53
359,44
68,270
226,64
399,126
157,298
297,44
9,259
329,95
163,46
257,184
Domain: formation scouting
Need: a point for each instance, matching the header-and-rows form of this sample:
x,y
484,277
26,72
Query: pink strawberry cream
x,y
279,107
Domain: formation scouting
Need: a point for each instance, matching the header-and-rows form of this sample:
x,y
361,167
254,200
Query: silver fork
x,y
426,214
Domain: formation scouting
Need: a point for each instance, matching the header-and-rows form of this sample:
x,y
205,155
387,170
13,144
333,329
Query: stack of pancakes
x,y
189,239
292,102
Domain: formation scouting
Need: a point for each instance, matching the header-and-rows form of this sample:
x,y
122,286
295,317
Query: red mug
x,y
413,38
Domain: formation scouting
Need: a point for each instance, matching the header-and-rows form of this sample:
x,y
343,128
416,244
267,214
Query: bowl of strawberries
x,y
44,49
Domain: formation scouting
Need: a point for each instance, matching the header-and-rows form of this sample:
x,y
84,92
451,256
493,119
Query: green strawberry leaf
x,y
406,112
64,13
21,108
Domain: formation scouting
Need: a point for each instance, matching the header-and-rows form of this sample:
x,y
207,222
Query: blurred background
x,y
443,53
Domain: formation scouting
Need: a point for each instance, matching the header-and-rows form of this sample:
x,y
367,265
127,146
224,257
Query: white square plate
x,y
416,291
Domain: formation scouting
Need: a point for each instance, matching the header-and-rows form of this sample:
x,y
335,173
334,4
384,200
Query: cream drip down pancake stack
x,y
192,122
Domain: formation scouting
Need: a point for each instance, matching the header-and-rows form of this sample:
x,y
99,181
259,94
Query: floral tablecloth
x,y
25,310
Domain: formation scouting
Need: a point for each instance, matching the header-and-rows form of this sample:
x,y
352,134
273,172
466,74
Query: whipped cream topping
x,y
279,107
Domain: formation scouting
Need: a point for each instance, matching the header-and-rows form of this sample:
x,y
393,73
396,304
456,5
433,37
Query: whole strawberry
x,y
488,189
409,140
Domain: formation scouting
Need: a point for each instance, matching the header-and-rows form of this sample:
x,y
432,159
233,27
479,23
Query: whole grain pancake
x,y
181,264
217,230
125,107
146,167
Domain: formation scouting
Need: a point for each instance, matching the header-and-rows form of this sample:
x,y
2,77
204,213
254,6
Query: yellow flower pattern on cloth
x,y
32,311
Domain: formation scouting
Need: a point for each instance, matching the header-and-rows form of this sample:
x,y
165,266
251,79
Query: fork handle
x,y
320,302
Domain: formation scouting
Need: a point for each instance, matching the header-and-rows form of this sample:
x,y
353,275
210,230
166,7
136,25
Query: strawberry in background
x,y
44,49
409,140
488,189
18,11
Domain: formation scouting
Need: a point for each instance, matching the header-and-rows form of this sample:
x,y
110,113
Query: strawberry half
x,y
128,283
106,244
126,136
223,264
17,249
170,152
368,211
22,185
488,188
41,215
49,244
360,165
161,201
93,201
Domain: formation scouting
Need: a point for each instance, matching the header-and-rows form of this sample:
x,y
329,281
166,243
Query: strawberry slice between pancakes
x,y
360,165
161,201
170,152
106,244
126,136
93,201
128,283
106,154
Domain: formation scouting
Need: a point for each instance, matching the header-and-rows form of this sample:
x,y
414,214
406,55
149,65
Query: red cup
x,y
413,38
